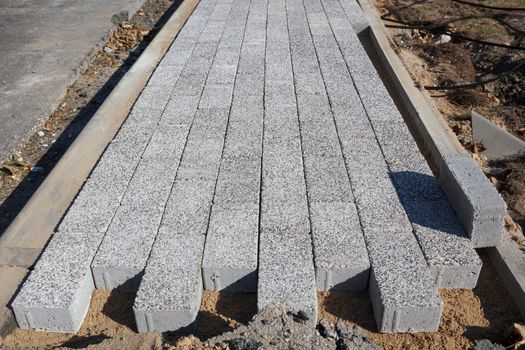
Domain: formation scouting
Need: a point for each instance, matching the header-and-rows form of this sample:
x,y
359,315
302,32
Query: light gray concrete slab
x,y
56,295
340,255
169,295
122,255
286,273
44,47
230,255
401,289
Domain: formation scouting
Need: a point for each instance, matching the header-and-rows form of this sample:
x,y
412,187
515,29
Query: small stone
x,y
38,170
41,133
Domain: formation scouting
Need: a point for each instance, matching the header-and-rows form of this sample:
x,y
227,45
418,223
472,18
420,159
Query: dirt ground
x,y
21,175
487,312
420,24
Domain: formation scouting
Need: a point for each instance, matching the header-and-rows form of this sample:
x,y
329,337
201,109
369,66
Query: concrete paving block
x,y
355,14
451,257
167,144
170,293
222,74
216,96
247,108
190,84
279,71
230,254
250,84
178,56
151,183
201,159
122,255
244,138
341,259
188,207
363,157
280,93
100,196
401,289
142,118
319,137
413,186
399,147
209,125
379,206
165,76
56,295
226,57
285,163
479,207
327,179
180,110
234,190
212,32
286,273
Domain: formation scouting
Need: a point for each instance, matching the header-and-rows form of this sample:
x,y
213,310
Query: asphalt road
x,y
44,44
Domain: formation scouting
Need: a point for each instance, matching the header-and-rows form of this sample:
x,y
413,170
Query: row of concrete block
x,y
249,95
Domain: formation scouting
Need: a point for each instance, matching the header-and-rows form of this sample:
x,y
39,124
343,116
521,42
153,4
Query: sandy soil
x,y
485,312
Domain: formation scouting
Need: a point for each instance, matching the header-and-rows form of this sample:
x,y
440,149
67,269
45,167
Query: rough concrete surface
x,y
44,45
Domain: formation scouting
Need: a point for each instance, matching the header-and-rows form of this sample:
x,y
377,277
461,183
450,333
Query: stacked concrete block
x,y
57,293
478,205
286,269
230,255
170,293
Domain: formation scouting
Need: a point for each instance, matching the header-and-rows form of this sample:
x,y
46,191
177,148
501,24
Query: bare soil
x,y
21,175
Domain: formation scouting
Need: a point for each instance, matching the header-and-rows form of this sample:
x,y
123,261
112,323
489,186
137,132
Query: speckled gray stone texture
x,y
286,273
379,206
480,208
230,255
452,259
56,295
123,253
99,198
188,207
341,259
169,295
403,295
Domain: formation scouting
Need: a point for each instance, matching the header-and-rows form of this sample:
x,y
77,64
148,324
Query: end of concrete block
x,y
56,295
60,318
404,318
479,207
350,279
237,280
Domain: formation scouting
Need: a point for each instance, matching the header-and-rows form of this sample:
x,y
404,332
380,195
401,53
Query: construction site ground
x,y
485,312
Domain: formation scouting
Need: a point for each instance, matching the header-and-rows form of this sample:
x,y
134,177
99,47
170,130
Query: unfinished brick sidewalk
x,y
264,155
